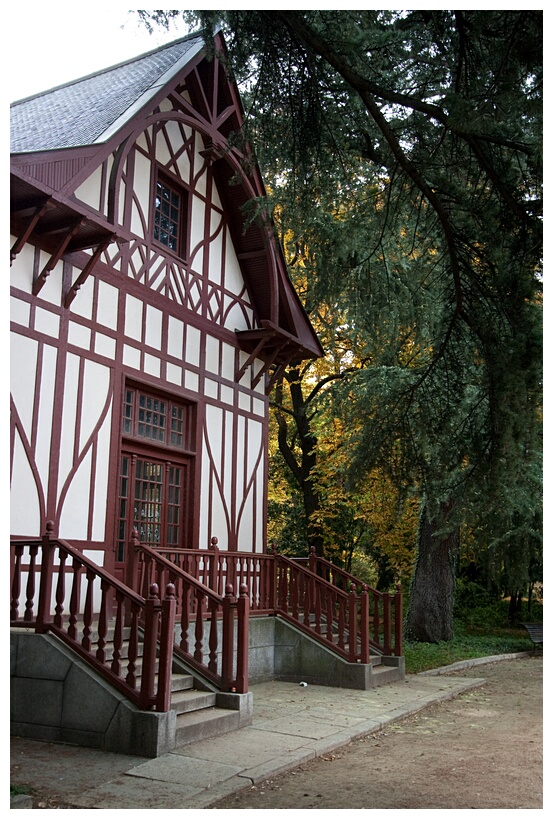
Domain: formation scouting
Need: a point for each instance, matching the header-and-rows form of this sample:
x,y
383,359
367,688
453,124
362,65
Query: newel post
x,y
166,641
214,564
273,583
131,575
243,638
352,624
387,624
364,613
227,656
45,591
151,625
398,622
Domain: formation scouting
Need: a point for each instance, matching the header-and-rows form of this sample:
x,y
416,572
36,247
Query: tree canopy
x,y
403,152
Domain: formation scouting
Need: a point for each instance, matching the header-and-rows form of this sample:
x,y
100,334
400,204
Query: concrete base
x,y
279,651
57,697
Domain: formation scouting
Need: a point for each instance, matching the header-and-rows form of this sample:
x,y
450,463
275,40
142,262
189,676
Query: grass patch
x,y
481,628
20,790
469,642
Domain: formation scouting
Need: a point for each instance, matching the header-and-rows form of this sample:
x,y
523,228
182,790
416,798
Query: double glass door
x,y
151,500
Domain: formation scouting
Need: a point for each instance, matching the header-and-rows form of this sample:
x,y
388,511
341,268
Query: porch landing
x,y
291,725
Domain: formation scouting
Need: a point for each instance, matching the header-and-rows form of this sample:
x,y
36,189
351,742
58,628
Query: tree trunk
x,y
430,614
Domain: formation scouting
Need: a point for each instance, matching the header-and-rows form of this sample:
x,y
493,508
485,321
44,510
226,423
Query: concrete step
x,y
184,702
384,674
197,725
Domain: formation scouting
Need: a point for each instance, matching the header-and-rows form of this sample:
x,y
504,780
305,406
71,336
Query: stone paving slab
x,y
185,770
245,747
318,720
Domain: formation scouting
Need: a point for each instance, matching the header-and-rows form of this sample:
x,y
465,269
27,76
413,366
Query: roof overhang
x,y
57,225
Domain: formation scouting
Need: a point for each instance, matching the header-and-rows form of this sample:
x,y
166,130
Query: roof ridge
x,y
192,36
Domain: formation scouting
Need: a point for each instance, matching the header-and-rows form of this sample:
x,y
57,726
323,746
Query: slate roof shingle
x,y
83,112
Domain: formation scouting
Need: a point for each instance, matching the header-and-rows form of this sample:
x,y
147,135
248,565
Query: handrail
x,y
82,621
205,632
385,608
217,568
333,617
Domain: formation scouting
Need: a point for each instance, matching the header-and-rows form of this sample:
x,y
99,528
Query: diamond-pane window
x,y
169,215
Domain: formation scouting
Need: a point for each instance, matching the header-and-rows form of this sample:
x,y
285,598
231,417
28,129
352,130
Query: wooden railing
x,y
211,632
217,569
56,589
335,618
258,572
385,608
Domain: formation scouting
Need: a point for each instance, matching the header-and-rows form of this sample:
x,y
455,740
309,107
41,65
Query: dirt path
x,y
481,750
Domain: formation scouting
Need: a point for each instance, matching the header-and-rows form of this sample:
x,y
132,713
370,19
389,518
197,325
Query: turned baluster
x,y
16,583
167,637
133,617
213,640
74,600
47,568
387,623
30,586
88,614
341,623
60,590
117,634
151,626
352,625
103,623
199,630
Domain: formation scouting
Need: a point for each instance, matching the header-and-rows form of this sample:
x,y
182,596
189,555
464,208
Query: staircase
x,y
198,716
196,707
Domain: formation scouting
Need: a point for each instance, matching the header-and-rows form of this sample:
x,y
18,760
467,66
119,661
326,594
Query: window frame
x,y
131,421
174,185
135,447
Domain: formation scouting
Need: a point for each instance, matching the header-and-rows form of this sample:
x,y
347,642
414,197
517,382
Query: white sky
x,y
50,44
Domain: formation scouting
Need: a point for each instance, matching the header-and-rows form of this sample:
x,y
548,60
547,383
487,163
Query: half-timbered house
x,y
151,313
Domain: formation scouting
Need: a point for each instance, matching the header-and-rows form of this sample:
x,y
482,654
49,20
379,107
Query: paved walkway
x,y
292,724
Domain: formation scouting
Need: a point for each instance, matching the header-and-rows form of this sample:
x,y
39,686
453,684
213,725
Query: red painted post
x,y
47,569
214,564
131,575
387,623
243,608
152,613
352,631
364,628
227,657
15,581
398,623
167,638
313,560
273,583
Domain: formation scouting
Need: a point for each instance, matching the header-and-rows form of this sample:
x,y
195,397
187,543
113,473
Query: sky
x,y
50,44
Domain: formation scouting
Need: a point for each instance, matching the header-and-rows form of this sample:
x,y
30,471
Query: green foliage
x,y
402,152
464,646
20,790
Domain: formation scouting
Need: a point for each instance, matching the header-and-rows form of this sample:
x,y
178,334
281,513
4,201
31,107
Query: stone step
x,y
384,674
184,702
196,725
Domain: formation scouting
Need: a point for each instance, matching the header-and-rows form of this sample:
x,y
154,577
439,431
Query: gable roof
x,y
81,122
89,110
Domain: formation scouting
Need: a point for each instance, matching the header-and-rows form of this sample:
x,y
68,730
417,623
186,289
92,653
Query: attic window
x,y
170,215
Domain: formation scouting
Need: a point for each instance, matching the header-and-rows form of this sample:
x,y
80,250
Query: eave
x,y
58,225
